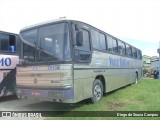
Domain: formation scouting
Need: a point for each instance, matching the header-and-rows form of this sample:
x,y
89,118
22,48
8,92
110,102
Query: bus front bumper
x,y
54,94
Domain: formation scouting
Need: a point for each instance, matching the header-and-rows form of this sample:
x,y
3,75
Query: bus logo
x,y
5,61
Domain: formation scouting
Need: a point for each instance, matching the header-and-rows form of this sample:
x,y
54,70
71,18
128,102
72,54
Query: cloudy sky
x,y
134,21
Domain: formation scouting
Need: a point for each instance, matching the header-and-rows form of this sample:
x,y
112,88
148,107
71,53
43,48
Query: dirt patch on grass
x,y
120,104
116,106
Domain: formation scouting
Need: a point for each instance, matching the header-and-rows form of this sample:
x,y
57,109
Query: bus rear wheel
x,y
97,91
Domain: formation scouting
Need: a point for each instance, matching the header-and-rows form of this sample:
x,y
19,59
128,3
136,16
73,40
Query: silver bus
x,y
69,61
8,60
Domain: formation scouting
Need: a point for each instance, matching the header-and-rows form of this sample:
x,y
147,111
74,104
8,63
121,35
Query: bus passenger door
x,y
82,55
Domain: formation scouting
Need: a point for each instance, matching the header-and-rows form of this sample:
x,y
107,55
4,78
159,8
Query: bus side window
x,y
134,52
109,43
102,41
4,42
114,46
98,40
139,55
121,48
95,39
12,43
128,50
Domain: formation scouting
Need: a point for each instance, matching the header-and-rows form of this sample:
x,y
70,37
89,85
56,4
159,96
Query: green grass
x,y
144,96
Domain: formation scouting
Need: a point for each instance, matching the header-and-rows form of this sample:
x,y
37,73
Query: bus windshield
x,y
8,43
51,43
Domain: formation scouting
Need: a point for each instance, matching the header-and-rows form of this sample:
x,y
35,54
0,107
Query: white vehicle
x,y
8,61
69,61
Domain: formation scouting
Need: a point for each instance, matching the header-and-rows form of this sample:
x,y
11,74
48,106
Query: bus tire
x,y
97,91
136,78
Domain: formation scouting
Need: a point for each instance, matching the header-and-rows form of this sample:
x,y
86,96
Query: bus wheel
x,y
136,78
97,91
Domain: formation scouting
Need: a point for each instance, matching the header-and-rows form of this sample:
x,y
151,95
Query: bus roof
x,y
44,23
65,20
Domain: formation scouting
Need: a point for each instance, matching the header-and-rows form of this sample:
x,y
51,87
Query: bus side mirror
x,y
79,38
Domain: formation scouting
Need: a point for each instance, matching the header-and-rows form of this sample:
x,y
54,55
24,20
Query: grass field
x,y
144,96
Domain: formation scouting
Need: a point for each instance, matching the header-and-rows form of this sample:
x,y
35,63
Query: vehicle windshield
x,y
48,43
8,43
